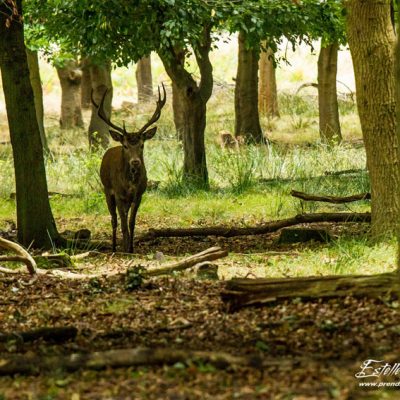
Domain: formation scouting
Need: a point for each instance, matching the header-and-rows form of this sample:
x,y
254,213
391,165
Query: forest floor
x,y
314,348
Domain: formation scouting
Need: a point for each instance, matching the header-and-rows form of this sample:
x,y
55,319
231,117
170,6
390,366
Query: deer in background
x,y
123,173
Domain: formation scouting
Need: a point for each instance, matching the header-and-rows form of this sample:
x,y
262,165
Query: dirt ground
x,y
313,348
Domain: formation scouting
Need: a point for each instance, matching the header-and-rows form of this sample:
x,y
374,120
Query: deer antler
x,y
157,112
102,114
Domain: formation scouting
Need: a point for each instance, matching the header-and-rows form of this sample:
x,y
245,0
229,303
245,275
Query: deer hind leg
x,y
123,210
132,221
112,208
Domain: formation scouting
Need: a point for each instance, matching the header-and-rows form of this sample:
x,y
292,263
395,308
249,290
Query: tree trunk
x,y
177,106
329,125
397,92
193,97
101,81
371,40
86,84
247,121
144,79
34,217
267,91
36,83
70,79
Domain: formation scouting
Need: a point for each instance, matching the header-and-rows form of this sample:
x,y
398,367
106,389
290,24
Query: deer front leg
x,y
123,210
132,222
112,208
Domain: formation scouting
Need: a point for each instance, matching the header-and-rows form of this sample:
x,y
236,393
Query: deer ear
x,y
116,136
149,134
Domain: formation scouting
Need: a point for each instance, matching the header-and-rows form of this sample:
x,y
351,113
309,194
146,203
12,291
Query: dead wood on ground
x,y
245,292
211,254
131,357
226,231
48,334
21,255
330,199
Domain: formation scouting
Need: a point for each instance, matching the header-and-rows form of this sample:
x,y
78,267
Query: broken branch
x,y
22,255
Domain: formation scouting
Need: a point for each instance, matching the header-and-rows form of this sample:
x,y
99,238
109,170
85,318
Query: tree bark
x,y
101,81
329,125
70,79
397,92
144,79
36,82
193,97
177,106
86,84
267,90
371,40
247,121
34,217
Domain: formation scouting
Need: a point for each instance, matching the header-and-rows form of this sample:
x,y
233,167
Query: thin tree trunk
x,y
101,81
397,93
177,106
371,40
36,82
70,79
267,90
144,79
34,217
86,84
247,121
194,98
329,125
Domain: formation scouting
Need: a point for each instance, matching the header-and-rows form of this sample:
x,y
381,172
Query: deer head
x,y
132,142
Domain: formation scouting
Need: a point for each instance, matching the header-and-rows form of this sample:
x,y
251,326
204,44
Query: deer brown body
x,y
123,173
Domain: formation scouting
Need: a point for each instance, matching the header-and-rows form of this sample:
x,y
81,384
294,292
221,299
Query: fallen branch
x,y
131,357
345,172
226,231
327,174
21,255
330,199
245,292
305,85
55,335
211,254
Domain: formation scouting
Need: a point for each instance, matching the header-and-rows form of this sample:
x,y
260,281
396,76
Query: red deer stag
x,y
123,172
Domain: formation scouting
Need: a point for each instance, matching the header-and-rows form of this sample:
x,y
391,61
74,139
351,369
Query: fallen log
x,y
330,199
226,231
246,292
131,357
48,334
21,255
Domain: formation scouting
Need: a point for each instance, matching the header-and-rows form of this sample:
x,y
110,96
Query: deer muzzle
x,y
135,166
